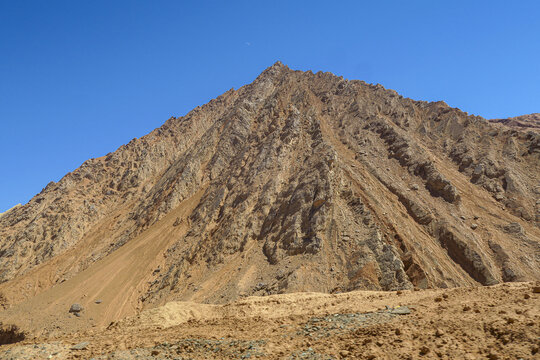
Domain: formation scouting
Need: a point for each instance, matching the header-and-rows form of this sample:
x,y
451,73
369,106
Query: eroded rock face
x,y
305,185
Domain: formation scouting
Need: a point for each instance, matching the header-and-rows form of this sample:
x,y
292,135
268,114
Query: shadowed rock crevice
x,y
463,254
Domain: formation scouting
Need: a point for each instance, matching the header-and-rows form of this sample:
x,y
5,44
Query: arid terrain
x,y
523,122
497,322
278,221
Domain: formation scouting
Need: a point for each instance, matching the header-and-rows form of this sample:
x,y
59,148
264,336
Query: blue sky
x,y
80,78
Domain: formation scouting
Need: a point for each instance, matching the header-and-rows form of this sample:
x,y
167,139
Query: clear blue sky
x,y
80,78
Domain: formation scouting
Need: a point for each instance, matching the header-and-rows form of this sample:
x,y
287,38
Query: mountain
x,y
296,182
530,122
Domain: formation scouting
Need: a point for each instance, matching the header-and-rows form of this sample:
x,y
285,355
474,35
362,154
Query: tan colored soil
x,y
498,322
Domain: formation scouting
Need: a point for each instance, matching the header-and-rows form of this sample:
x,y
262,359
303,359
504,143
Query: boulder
x,y
76,308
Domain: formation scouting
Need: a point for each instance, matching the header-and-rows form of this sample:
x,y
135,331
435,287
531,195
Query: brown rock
x,y
424,350
344,353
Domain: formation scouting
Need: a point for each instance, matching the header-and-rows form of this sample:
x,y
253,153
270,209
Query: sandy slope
x,y
117,281
499,322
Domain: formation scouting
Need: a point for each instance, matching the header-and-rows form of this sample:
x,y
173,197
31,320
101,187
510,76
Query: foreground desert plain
x,y
496,322
302,216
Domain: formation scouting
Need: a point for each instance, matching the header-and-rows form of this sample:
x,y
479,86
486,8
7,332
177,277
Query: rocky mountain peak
x,y
296,182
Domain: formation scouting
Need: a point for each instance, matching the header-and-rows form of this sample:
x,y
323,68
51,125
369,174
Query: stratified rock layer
x,y
297,182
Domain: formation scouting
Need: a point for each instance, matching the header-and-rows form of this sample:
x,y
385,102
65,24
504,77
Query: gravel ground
x,y
494,323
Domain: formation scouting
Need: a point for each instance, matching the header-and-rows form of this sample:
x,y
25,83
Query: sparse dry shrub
x,y
10,334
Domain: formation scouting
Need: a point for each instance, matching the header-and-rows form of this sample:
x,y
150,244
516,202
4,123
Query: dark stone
x,y
80,346
75,308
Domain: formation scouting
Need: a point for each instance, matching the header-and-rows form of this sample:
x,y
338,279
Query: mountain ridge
x,y
304,182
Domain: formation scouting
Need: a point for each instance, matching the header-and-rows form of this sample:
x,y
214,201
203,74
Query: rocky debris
x,y
335,323
4,302
260,286
80,346
514,228
75,309
402,310
195,348
52,350
424,350
310,353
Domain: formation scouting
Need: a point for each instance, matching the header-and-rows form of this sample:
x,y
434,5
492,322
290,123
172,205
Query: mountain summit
x,y
295,182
